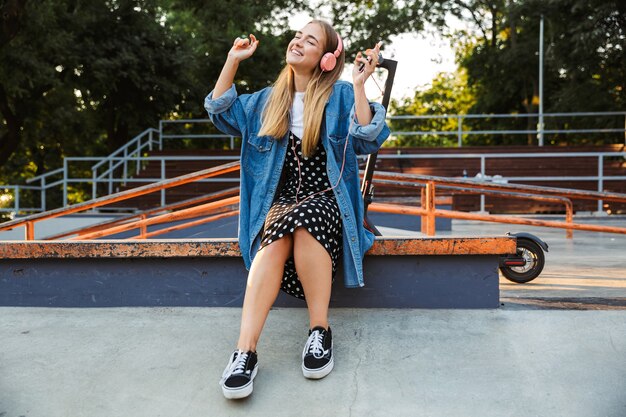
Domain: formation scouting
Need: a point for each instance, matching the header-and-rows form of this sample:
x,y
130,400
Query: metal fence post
x,y
64,182
424,206
232,142
600,181
569,218
160,135
43,193
482,172
30,231
430,209
17,199
162,178
143,229
459,130
110,176
94,183
139,151
125,164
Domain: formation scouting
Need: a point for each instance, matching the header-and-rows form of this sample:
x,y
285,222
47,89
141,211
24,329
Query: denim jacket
x,y
262,160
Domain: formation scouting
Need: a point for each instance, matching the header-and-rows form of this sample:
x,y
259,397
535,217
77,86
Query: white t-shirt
x,y
297,114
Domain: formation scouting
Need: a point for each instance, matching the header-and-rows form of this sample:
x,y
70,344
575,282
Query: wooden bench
x,y
438,272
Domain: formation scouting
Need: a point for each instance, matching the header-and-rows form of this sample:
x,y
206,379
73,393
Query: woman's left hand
x,y
370,59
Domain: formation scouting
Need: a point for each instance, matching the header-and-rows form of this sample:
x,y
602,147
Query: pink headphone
x,y
329,60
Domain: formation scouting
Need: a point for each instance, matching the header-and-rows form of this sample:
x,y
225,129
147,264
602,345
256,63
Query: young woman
x,y
301,209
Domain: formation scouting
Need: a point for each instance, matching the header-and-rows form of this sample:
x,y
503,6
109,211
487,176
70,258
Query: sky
x,y
420,58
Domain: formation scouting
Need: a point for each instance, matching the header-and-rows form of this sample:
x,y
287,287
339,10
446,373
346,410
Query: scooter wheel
x,y
535,261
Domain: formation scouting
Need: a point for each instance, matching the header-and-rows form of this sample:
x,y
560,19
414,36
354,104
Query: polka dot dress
x,y
319,214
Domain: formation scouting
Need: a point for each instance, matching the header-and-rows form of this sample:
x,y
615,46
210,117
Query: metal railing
x,y
222,205
29,222
459,131
144,214
540,131
600,178
111,182
122,157
116,169
163,124
15,197
429,211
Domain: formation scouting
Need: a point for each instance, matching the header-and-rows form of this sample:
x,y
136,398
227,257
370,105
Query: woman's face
x,y
306,48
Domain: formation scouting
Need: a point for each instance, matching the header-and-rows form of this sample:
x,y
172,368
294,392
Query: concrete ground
x,y
586,272
556,347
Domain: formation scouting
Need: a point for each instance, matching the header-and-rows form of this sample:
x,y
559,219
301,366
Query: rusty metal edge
x,y
228,247
402,179
148,212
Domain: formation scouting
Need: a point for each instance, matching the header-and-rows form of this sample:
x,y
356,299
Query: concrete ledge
x,y
228,247
399,272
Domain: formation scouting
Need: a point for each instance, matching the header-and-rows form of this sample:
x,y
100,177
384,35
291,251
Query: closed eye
x,y
312,40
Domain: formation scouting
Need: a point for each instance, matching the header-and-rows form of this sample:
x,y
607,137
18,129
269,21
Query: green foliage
x,y
209,28
447,95
131,69
584,69
82,78
365,22
584,66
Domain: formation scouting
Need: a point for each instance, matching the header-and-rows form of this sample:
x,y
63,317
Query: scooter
x,y
522,267
529,260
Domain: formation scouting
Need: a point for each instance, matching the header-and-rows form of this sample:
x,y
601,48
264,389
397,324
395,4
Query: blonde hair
x,y
275,118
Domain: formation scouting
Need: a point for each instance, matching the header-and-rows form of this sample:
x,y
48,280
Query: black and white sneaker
x,y
317,356
237,378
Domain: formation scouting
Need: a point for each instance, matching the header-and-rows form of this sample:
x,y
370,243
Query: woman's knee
x,y
279,250
307,247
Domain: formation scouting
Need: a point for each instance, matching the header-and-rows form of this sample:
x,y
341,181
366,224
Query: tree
x,y
130,68
365,22
84,77
210,29
584,63
79,77
447,95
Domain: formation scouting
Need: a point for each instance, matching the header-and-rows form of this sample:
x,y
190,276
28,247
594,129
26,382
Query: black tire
x,y
535,261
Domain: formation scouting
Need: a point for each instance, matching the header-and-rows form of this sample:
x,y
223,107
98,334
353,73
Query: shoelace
x,y
237,366
314,344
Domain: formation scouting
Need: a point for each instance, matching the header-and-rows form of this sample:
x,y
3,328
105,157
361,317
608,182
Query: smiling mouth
x,y
298,53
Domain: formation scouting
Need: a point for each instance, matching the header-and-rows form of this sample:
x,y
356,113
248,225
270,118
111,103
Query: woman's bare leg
x,y
314,268
266,273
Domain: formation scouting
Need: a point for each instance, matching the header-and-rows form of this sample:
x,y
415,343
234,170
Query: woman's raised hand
x,y
243,48
370,60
